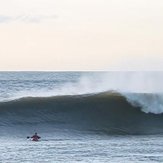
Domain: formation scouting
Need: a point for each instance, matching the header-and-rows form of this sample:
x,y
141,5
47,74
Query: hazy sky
x,y
81,34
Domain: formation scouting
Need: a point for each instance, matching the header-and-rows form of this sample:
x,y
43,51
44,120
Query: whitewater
x,y
81,116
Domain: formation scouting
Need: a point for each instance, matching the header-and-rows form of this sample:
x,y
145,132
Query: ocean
x,y
81,117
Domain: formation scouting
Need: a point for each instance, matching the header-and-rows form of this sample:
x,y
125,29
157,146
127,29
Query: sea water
x,y
81,117
85,149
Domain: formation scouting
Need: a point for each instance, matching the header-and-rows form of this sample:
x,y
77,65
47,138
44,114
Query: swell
x,y
105,112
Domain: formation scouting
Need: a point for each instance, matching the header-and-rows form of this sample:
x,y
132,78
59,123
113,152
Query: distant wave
x,y
106,112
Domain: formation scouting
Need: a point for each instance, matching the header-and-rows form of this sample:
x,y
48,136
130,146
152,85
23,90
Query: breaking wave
x,y
105,112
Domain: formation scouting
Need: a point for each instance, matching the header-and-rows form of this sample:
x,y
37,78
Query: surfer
x,y
35,137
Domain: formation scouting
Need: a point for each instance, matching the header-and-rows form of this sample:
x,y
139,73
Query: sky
x,y
47,35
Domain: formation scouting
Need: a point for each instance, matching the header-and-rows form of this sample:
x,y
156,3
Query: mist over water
x,y
134,82
128,82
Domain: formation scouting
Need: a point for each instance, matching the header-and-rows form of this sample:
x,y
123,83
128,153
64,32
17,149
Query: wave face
x,y
105,112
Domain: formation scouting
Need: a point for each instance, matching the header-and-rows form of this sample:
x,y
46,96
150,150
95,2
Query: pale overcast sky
x,y
81,34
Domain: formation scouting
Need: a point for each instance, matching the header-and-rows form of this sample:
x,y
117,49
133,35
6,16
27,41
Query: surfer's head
x,y
35,133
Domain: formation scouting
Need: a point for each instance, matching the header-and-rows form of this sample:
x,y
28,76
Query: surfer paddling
x,y
35,137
